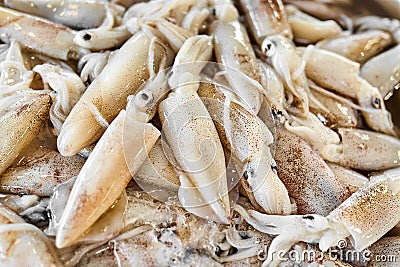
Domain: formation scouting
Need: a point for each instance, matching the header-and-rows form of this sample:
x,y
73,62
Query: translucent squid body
x,y
248,140
354,148
75,14
345,79
23,111
364,217
24,243
108,93
38,34
118,151
185,118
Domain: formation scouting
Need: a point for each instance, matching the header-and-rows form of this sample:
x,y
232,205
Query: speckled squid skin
x,y
307,177
172,235
245,130
20,127
338,115
345,79
125,72
358,47
37,34
210,163
349,178
191,134
238,56
248,138
266,18
372,211
75,14
101,181
368,151
40,175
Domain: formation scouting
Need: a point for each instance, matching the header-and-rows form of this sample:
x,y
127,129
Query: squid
x,y
253,88
119,144
308,179
108,93
237,56
40,172
23,111
358,47
192,137
67,87
106,36
142,55
307,29
248,139
24,243
273,35
94,192
38,35
354,148
383,71
333,111
388,25
266,18
345,79
73,13
364,217
20,126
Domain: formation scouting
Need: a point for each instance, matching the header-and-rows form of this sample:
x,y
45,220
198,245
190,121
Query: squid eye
x,y
268,48
248,173
87,37
245,175
143,98
377,102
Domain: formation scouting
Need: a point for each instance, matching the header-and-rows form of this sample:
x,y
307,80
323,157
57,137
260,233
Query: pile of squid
x,y
196,133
